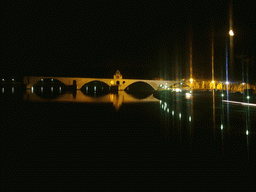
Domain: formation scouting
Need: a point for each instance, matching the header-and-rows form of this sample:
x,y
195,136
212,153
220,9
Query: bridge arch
x,y
48,82
95,86
139,86
96,82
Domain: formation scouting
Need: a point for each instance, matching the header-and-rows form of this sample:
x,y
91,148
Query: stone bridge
x,y
79,82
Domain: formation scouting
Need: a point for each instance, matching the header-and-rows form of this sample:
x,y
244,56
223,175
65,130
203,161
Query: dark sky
x,y
142,39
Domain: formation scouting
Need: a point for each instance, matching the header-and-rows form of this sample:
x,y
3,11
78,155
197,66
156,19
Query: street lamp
x,y
231,33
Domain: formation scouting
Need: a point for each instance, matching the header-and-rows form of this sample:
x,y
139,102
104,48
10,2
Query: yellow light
x,y
231,33
112,82
213,82
191,80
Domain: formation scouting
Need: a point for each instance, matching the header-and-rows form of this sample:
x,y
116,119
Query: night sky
x,y
142,39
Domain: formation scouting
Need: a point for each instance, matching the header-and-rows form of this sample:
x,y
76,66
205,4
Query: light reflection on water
x,y
79,96
222,116
194,135
181,113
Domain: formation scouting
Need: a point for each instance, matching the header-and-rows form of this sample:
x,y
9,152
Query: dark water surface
x,y
120,142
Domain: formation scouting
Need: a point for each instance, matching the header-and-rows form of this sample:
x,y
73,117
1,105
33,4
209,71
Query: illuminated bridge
x,y
79,82
122,84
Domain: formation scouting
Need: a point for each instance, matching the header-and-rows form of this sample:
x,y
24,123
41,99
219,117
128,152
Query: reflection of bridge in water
x,y
79,96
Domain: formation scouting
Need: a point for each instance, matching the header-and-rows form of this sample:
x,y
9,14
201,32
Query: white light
x,y
221,126
227,83
188,95
248,97
165,87
177,90
231,32
247,132
51,79
12,89
222,95
12,79
167,110
51,88
180,115
241,103
190,118
42,80
86,89
2,89
243,83
160,101
94,88
32,89
2,79
42,89
162,106
172,113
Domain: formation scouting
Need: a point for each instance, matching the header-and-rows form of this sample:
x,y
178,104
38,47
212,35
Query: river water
x,y
125,141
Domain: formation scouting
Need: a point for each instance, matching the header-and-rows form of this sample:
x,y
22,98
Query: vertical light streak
x,y
213,61
222,121
213,108
231,42
190,60
247,128
227,84
227,69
